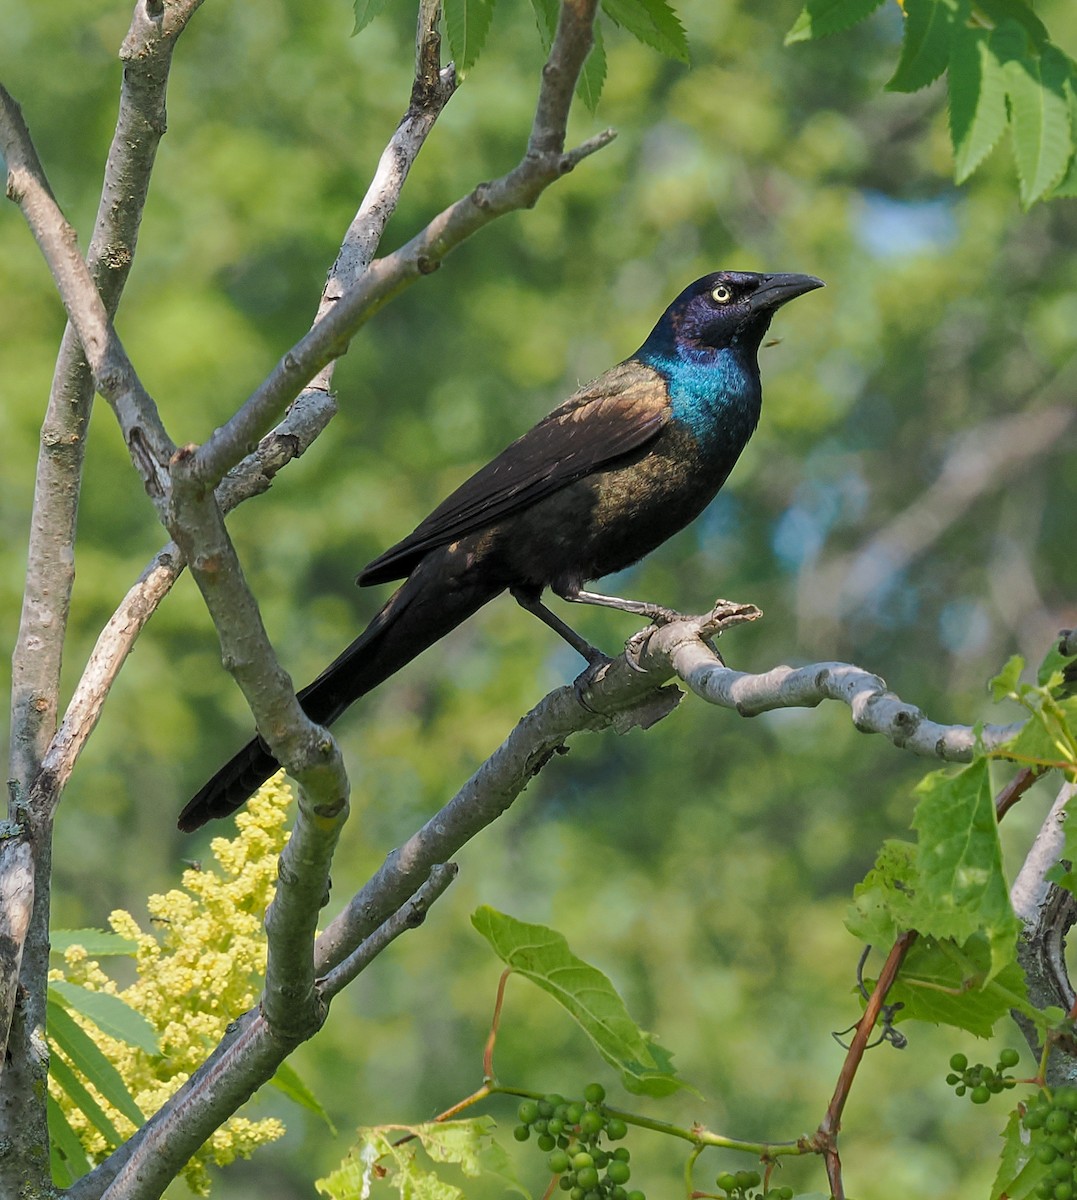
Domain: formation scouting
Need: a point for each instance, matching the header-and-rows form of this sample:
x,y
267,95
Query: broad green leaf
x,y
543,956
467,22
1018,1170
381,1154
1008,680
1054,662
962,889
1048,735
925,50
98,943
1067,185
653,22
83,1100
1040,118
546,19
366,11
89,1059
947,984
288,1081
884,902
593,75
109,1013
822,17
66,1141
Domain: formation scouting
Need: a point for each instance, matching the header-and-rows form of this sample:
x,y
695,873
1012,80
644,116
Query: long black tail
x,y
429,604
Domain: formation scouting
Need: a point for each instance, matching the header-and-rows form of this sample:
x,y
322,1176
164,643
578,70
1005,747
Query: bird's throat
x,y
715,394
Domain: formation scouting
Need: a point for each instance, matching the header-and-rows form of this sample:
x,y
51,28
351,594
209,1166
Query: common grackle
x,y
605,478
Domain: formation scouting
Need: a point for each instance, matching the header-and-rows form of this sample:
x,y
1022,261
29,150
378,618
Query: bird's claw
x,y
582,683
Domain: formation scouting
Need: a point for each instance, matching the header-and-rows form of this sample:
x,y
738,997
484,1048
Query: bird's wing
x,y
618,413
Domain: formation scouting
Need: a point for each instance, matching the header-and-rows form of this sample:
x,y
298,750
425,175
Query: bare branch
x,y
542,164
147,441
410,915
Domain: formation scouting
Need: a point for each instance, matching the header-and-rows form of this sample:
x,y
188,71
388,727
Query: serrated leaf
x,y
543,956
366,11
1018,1170
1067,185
593,76
83,1100
1008,680
98,943
109,1013
947,984
89,1059
467,23
1018,12
653,22
1047,737
884,902
962,888
546,12
287,1081
925,49
66,1141
820,18
381,1154
1040,118
977,91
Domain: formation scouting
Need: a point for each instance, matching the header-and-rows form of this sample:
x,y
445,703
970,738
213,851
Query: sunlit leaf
x,y
593,76
89,1059
467,23
109,1013
822,17
366,11
653,22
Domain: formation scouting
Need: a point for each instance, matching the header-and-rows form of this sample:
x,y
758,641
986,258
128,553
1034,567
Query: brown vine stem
x,y
826,1136
488,1051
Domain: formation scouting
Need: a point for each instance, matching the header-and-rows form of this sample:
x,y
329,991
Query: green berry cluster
x,y
1052,1121
739,1186
570,1132
980,1081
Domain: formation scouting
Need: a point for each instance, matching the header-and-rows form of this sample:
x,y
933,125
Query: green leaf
x,y
947,984
925,51
288,1081
467,22
546,18
98,943
89,1059
962,889
1018,12
1007,682
66,1141
1047,737
653,22
820,18
83,1100
884,903
543,956
109,1013
380,1153
366,11
1067,185
593,76
978,113
1019,1171
1040,118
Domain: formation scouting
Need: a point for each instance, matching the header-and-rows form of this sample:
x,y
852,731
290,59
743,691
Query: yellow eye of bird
x,y
722,294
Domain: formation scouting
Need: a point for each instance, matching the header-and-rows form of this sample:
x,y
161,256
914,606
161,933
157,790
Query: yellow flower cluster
x,y
201,967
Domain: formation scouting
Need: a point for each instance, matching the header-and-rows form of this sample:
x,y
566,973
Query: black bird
x,y
605,478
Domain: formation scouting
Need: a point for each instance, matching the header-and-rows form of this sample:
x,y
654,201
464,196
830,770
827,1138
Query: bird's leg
x,y
530,602
640,608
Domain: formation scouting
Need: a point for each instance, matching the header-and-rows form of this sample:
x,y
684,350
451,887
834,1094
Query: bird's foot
x,y
581,685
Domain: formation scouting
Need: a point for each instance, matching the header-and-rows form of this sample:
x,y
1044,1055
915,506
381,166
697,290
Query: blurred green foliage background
x,y
706,864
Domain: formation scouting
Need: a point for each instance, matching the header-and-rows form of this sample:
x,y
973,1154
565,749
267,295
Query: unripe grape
x,y
1061,1169
573,1112
1056,1121
587,1178
566,1183
558,1162
622,1153
1046,1154
581,1160
615,1129
958,1062
1063,1190
619,1172
590,1123
727,1181
545,1109
521,1133
1009,1057
594,1093
546,1142
1066,1099
528,1112
636,1195
980,1094
553,1100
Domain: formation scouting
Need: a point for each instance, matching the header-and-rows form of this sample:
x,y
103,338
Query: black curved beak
x,y
776,290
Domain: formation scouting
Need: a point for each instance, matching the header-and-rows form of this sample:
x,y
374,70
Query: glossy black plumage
x,y
605,478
